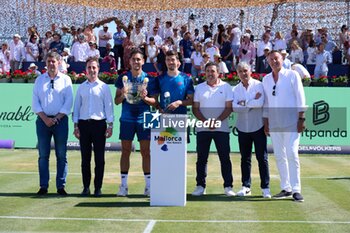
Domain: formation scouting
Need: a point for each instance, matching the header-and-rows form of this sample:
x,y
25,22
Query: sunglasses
x,y
274,90
52,84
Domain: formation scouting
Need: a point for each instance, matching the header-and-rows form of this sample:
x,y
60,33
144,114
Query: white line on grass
x,y
172,220
137,174
150,226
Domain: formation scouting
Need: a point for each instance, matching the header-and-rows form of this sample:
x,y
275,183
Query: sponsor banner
x,y
326,118
318,149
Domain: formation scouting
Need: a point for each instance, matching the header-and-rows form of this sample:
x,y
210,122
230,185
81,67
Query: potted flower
x,y
5,77
231,78
18,76
257,76
306,80
108,77
322,81
340,81
31,76
77,78
199,79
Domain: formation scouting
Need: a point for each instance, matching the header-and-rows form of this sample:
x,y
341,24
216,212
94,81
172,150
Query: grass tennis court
x,y
325,187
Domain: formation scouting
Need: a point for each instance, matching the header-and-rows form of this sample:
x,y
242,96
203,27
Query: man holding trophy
x,y
134,91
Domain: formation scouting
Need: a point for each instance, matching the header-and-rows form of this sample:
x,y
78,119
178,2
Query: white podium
x,y
169,161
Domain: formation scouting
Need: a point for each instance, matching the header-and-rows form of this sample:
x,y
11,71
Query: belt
x,y
92,120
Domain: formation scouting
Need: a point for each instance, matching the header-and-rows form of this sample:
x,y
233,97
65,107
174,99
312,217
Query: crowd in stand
x,y
227,45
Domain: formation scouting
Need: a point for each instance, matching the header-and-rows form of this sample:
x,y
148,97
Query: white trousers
x,y
285,147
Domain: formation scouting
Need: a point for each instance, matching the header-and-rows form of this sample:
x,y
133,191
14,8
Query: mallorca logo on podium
x,y
168,136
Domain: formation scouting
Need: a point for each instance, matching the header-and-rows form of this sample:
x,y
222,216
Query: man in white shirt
x,y
16,52
235,39
80,49
103,38
248,100
213,102
138,38
284,120
157,39
52,102
93,110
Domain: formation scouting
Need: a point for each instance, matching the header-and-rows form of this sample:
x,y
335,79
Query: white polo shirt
x,y
212,101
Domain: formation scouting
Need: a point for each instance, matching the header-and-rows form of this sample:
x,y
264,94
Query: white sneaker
x,y
245,191
229,192
199,191
147,191
123,191
266,193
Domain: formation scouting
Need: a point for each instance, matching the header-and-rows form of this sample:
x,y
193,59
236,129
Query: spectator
x,y
151,51
311,53
222,66
157,39
138,38
296,53
329,46
323,58
118,49
247,50
279,43
45,43
4,58
93,51
56,45
110,59
168,30
128,45
103,38
80,49
32,49
211,49
287,64
16,52
207,33
33,69
226,51
66,38
196,59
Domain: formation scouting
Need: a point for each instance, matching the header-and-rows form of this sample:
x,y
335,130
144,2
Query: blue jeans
x,y
60,136
222,143
194,72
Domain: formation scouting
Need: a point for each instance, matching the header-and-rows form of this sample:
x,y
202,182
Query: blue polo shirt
x,y
187,47
178,87
134,112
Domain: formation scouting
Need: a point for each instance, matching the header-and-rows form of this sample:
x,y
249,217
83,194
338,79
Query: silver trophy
x,y
133,94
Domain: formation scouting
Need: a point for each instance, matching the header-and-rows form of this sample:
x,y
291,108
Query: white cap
x,y
66,50
207,40
246,35
17,35
111,54
284,52
32,65
105,25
